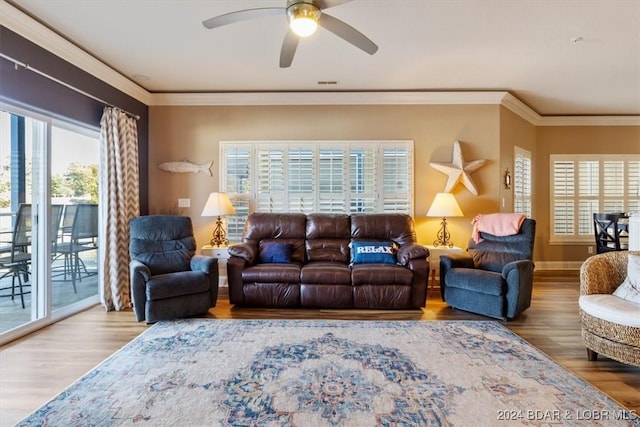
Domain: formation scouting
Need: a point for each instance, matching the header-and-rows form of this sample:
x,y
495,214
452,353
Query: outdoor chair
x,y
17,256
83,238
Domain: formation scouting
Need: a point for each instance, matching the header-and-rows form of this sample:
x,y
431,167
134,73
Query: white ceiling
x,y
559,57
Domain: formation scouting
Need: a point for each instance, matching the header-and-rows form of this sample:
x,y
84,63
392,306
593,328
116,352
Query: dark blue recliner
x,y
167,279
496,278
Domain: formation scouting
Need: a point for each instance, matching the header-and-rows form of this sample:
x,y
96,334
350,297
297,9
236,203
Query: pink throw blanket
x,y
498,224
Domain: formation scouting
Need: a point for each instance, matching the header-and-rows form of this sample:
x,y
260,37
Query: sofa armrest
x,y
603,273
412,251
246,251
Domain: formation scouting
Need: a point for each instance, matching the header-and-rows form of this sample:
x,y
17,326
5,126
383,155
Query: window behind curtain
x,y
584,184
316,176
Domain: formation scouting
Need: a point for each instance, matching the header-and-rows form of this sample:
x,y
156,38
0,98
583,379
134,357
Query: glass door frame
x,y
41,281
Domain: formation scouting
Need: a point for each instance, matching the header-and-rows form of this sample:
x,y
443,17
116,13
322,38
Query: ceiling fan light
x,y
304,27
303,18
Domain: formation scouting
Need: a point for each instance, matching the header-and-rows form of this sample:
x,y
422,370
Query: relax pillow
x,y
630,288
373,253
276,252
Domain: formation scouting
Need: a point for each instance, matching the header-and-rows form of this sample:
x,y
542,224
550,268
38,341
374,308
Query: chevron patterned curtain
x,y
119,202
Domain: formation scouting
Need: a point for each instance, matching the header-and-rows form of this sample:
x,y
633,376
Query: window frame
x,y
587,196
522,181
344,195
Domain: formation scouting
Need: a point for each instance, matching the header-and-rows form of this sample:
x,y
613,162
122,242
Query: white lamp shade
x,y
218,204
444,205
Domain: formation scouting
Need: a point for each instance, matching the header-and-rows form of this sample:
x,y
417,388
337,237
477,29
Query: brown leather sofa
x,y
318,269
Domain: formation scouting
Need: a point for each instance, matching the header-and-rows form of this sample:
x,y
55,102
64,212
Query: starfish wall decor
x,y
459,170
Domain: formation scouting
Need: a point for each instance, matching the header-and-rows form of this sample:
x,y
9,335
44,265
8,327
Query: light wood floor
x,y
36,368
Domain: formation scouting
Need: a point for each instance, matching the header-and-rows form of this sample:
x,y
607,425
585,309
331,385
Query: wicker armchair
x,y
600,275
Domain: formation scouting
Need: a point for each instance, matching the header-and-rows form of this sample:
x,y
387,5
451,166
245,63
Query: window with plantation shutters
x,y
522,182
236,161
316,176
584,184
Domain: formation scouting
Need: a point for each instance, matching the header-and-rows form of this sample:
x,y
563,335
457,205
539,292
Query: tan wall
x,y
572,140
193,132
515,132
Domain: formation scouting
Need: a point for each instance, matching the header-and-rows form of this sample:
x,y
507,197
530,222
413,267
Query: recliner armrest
x,y
412,251
139,275
518,276
203,263
246,251
520,265
136,267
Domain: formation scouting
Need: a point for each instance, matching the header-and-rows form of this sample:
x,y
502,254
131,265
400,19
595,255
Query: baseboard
x,y
558,265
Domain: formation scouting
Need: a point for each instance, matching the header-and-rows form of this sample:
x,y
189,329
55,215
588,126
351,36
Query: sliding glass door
x,y
48,220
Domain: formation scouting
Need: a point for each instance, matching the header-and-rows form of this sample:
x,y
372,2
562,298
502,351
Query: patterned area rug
x,y
209,372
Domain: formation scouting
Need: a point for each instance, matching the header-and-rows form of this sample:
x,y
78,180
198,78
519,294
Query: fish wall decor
x,y
186,166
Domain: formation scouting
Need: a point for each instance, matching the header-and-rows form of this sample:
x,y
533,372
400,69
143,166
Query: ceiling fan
x,y
304,18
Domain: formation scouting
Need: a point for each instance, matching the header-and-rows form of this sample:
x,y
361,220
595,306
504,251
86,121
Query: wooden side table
x,y
222,254
434,261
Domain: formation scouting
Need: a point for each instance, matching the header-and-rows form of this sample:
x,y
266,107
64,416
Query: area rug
x,y
208,372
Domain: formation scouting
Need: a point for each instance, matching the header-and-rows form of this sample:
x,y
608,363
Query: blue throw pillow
x,y
276,252
373,253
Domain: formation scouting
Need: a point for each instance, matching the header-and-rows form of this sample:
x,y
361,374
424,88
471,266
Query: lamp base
x,y
219,235
443,236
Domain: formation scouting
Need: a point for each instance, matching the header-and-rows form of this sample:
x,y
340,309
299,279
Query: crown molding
x,y
520,108
589,121
328,98
20,23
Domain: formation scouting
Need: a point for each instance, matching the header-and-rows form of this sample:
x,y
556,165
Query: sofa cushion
x,y
397,228
272,273
276,252
611,308
325,272
380,274
630,288
373,253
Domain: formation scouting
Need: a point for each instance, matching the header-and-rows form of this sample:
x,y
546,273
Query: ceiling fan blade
x,y
289,46
348,33
325,4
242,15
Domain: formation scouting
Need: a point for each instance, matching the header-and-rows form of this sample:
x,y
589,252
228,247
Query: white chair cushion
x,y
611,308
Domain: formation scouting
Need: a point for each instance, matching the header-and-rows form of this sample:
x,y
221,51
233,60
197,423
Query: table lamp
x,y
444,205
218,204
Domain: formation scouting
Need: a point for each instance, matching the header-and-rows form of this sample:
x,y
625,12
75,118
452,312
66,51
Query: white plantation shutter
x,y
300,180
238,186
522,182
563,184
316,176
633,185
396,170
271,179
363,182
584,184
331,179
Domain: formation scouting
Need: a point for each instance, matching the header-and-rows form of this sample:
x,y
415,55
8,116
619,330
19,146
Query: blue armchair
x,y
167,279
496,278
